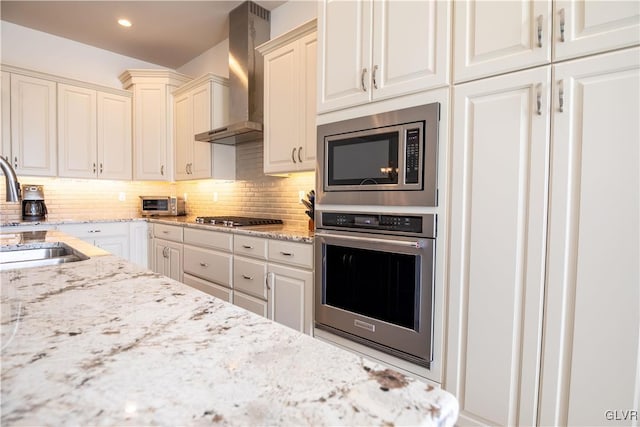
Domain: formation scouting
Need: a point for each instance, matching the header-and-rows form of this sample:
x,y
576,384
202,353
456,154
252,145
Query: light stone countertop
x,y
280,232
103,342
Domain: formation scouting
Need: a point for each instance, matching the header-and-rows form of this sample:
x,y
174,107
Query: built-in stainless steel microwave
x,y
162,205
383,159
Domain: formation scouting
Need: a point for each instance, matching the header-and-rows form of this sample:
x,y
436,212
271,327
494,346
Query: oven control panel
x,y
393,223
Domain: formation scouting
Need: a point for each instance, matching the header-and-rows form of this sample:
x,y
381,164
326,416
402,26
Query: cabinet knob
x,y
15,162
94,168
100,168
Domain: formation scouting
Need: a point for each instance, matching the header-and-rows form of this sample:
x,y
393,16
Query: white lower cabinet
x,y
113,237
291,297
274,278
167,250
139,243
208,261
544,245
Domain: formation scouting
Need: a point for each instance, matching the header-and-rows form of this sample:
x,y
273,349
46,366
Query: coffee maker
x,y
33,206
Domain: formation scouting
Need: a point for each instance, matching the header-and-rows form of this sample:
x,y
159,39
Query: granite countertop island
x,y
103,342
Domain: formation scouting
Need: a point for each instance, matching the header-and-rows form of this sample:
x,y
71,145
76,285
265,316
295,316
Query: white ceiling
x,y
167,33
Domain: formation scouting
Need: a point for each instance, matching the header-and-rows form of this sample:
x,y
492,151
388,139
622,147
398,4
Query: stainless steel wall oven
x,y
374,280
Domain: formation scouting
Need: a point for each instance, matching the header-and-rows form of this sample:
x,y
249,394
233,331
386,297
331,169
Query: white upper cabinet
x,y
94,133
199,106
587,27
33,125
114,136
152,121
592,304
373,50
290,101
493,37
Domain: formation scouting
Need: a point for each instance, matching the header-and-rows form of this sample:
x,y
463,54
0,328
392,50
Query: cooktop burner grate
x,y
236,221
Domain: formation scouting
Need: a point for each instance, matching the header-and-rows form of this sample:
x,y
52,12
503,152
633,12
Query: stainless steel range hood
x,y
249,26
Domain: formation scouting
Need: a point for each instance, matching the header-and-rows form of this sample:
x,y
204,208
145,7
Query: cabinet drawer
x,y
250,303
285,252
207,264
207,287
249,276
209,239
96,229
167,232
254,247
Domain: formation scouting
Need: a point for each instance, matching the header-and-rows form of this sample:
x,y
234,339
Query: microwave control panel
x,y
412,156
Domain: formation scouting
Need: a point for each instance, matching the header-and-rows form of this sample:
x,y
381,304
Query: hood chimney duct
x,y
249,26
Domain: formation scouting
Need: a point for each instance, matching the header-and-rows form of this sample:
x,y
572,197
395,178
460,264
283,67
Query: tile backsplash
x,y
252,194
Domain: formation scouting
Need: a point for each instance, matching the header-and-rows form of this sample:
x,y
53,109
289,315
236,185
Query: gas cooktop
x,y
236,221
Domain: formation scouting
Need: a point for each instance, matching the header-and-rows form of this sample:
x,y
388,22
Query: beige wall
x,y
252,194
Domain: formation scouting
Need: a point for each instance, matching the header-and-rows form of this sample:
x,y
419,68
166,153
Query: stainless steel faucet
x,y
11,179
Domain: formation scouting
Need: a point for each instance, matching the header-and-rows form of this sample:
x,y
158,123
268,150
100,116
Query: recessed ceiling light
x,y
124,22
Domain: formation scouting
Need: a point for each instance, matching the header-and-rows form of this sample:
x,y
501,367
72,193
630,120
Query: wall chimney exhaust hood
x,y
249,26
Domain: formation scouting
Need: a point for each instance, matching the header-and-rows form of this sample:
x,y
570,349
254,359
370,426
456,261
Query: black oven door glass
x,y
364,160
380,285
155,205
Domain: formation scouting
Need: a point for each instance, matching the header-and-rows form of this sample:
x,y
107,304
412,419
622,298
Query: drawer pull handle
x,y
165,232
204,264
95,231
247,277
247,247
286,253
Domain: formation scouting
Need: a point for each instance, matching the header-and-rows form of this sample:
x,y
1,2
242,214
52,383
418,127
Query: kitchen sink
x,y
40,255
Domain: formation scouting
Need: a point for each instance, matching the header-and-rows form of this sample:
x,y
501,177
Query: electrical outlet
x,y
300,196
122,196
184,196
215,196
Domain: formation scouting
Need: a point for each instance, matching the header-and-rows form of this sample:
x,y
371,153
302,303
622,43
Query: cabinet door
x,y
201,122
139,243
592,313
281,94
114,136
344,42
307,102
168,259
494,37
5,109
183,136
290,297
33,126
497,252
586,27
77,137
117,245
410,46
150,132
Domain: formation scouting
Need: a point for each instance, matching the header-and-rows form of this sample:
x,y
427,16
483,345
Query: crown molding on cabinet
x,y
63,80
135,76
300,31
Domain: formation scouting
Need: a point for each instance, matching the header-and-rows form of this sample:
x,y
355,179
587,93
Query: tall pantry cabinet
x,y
544,299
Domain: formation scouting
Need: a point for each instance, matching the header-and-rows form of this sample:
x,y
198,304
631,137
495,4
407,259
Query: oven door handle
x,y
419,244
